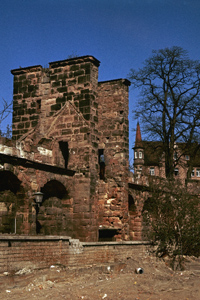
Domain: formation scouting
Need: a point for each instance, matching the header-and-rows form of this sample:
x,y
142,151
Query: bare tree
x,y
169,103
5,111
172,222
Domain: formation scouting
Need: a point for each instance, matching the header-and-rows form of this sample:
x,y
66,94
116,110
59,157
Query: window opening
x,y
140,154
176,172
175,155
192,173
198,172
65,151
38,106
152,171
135,154
102,164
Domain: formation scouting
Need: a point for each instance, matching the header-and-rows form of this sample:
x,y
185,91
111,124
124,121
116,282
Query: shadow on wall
x,y
131,205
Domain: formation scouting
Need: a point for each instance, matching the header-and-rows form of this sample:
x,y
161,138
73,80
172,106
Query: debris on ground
x,y
109,282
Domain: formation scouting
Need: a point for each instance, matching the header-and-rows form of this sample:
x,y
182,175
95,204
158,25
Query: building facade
x,y
63,121
149,159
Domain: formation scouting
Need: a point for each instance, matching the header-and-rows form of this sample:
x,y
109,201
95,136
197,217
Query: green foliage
x,y
172,217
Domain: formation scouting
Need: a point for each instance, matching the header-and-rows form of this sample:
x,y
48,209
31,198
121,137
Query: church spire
x,y
138,138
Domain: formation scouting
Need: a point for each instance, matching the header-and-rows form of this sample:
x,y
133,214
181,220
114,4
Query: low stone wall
x,y
18,252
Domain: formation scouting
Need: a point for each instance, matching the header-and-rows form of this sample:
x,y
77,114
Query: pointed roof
x,y
138,138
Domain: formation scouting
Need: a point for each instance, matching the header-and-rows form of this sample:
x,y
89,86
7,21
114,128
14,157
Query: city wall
x,y
20,252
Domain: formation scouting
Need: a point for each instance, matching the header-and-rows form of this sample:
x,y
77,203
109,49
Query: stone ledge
x,y
123,80
6,237
121,243
26,70
74,60
15,160
9,237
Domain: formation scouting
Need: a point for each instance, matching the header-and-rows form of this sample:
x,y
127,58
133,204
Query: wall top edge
x,y
20,71
55,64
75,60
9,237
123,80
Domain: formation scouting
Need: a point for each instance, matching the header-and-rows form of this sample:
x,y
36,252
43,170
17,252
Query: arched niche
x,y
52,217
54,188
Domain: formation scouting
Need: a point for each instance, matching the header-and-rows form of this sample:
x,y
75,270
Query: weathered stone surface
x,y
66,103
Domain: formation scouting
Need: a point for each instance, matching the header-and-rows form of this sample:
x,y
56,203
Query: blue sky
x,y
119,33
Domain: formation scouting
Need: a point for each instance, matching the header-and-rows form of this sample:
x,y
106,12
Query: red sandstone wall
x,y
19,253
114,140
66,103
62,101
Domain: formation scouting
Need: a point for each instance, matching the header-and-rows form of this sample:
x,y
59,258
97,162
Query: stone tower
x,y
64,118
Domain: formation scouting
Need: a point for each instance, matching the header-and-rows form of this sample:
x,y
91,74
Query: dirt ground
x,y
109,282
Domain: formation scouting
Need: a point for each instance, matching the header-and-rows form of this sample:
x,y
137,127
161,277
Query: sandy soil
x,y
117,281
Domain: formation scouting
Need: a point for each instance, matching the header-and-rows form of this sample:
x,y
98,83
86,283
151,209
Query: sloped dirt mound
x,y
117,281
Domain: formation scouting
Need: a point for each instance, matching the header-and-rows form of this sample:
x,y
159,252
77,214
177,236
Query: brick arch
x,y
54,188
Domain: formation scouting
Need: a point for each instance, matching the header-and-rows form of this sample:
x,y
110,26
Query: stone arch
x,y
11,201
54,188
53,216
